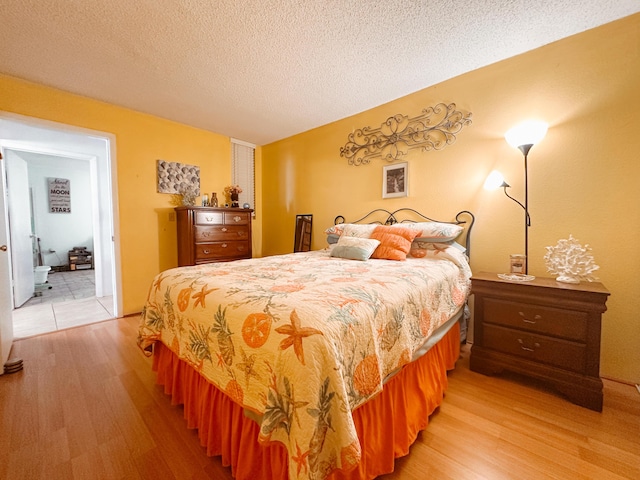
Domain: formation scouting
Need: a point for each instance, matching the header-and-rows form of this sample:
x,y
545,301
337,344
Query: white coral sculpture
x,y
570,261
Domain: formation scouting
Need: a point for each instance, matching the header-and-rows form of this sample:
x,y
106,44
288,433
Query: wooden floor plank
x,y
87,405
116,459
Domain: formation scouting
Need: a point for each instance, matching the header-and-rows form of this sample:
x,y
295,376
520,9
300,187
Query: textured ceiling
x,y
263,70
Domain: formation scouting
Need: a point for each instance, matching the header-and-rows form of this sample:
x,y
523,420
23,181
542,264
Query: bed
x,y
315,365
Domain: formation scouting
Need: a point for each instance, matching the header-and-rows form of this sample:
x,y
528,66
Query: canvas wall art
x,y
174,177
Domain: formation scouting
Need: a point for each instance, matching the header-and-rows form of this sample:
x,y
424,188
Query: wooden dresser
x,y
208,234
543,329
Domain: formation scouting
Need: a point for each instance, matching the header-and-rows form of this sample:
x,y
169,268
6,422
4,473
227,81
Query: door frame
x,y
103,174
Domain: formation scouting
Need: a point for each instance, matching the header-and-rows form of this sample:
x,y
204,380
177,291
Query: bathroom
x,y
52,255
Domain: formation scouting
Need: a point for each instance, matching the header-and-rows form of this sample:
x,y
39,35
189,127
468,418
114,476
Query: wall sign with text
x,y
59,195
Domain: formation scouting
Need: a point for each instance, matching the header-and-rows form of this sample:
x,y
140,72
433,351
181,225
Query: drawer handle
x,y
223,229
237,218
526,320
209,219
224,245
206,252
528,349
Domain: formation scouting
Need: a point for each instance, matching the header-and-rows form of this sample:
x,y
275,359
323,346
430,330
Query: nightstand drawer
x,y
205,251
220,233
557,322
551,351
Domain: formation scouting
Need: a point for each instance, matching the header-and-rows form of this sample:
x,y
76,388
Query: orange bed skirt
x,y
387,425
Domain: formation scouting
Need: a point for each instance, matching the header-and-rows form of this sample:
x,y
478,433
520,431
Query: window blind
x,y
242,170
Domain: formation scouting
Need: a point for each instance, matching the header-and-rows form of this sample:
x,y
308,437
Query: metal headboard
x,y
385,217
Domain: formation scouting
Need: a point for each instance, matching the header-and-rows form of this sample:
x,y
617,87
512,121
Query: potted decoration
x,y
186,195
232,192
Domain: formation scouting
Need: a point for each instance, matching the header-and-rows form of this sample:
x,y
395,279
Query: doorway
x,y
48,142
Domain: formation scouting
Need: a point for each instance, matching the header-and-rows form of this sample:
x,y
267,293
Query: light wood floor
x,y
86,407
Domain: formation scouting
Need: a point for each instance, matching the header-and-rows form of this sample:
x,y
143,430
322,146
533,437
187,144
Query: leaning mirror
x,y
303,233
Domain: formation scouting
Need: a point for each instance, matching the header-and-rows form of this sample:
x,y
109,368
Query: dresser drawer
x,y
557,322
539,348
221,233
237,218
207,251
209,218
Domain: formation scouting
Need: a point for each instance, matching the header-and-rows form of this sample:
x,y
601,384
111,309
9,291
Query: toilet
x,y
40,275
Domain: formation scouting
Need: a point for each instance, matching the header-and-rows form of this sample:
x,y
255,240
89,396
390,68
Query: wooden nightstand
x,y
543,329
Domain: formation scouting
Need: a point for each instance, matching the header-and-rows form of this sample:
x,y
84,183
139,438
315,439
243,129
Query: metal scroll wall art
x,y
434,129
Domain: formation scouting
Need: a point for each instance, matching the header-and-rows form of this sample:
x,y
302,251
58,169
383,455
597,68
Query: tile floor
x,y
71,301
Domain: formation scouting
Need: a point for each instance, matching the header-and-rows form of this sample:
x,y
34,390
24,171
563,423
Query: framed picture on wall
x,y
395,180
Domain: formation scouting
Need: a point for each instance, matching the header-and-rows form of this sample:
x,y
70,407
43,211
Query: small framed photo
x,y
395,180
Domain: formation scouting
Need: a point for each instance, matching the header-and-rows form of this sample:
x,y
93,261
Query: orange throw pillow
x,y
395,242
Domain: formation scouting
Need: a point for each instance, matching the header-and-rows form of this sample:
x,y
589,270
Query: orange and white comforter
x,y
303,339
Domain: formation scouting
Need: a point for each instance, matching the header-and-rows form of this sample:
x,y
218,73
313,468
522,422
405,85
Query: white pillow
x,y
354,248
434,231
360,231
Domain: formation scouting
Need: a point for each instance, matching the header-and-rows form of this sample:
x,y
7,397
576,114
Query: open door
x,y
6,307
19,206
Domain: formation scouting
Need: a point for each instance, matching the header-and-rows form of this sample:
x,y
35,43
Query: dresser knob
x,y
237,218
224,245
206,252
224,229
526,320
209,219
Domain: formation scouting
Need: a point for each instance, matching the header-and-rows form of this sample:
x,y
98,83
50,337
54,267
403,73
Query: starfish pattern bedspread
x,y
301,340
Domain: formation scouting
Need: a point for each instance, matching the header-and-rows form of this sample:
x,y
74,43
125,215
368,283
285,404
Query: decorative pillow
x,y
351,229
395,242
360,231
335,229
348,229
333,238
419,244
435,231
354,248
424,249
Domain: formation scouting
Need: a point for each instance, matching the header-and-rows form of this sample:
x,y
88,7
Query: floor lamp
x,y
522,137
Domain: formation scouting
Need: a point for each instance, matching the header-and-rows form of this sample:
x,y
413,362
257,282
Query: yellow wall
x,y
583,177
147,235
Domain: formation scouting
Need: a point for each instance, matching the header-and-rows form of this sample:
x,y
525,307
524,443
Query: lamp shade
x,y
526,133
494,181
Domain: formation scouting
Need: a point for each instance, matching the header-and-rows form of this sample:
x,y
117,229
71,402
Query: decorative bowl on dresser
x,y
209,234
542,329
